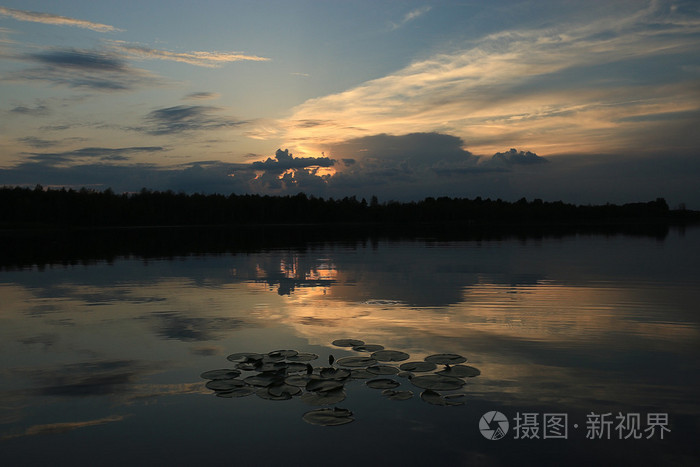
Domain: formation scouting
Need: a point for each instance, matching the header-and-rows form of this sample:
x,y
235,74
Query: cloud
x,y
92,378
103,154
177,326
197,96
39,110
204,59
47,18
561,89
184,118
284,161
410,16
80,68
517,157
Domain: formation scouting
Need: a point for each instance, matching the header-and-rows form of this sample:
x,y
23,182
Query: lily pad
x,y
221,374
383,370
280,389
437,382
334,373
249,366
298,380
397,395
302,357
236,392
405,374
390,356
244,356
368,348
264,393
272,366
322,385
445,359
382,383
435,398
357,362
328,417
224,384
282,354
347,342
418,367
324,398
460,371
263,379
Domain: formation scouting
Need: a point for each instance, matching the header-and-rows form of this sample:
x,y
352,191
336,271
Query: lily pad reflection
x,y
328,417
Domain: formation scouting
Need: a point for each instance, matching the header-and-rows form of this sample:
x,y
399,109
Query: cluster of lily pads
x,y
283,374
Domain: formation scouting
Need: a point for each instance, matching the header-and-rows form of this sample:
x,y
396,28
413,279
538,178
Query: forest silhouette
x,y
27,207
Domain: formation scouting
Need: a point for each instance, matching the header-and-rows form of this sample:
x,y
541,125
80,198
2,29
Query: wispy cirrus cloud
x,y
410,16
566,88
198,58
47,18
103,154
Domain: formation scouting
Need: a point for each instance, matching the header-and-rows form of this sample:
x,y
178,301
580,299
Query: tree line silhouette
x,y
22,207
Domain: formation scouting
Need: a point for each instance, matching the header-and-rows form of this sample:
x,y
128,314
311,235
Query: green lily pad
x,y
382,370
224,373
224,384
390,356
418,367
368,348
347,342
244,356
357,362
435,398
302,357
445,359
382,383
460,371
328,417
324,398
236,392
397,395
437,382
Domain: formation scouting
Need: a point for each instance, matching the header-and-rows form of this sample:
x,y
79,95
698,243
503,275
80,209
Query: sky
x,y
584,102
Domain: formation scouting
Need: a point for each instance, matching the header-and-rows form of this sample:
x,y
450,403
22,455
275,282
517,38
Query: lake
x,y
579,348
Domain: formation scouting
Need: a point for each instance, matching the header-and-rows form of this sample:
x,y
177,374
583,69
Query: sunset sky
x,y
585,102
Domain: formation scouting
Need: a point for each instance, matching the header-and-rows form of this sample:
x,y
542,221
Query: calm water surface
x,y
100,364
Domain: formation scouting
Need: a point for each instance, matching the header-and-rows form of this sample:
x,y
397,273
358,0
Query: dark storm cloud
x,y
80,68
184,118
103,154
284,161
